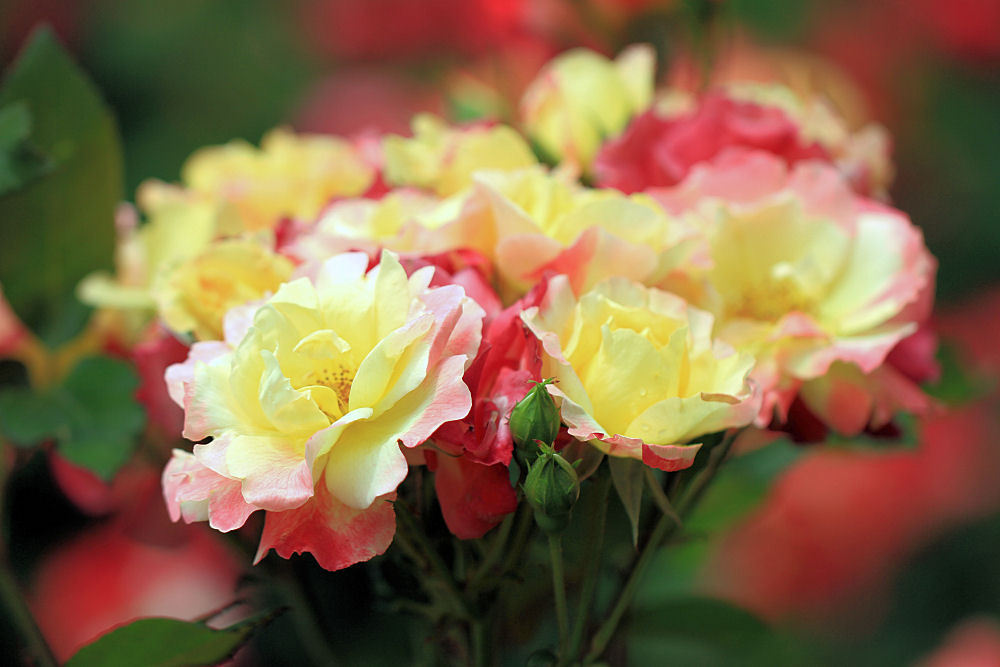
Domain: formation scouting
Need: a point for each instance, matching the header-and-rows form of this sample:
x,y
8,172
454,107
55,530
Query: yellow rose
x,y
638,372
309,401
442,158
581,98
293,175
195,295
543,222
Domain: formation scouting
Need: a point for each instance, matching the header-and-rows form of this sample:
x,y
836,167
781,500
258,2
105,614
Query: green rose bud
x,y
535,417
551,487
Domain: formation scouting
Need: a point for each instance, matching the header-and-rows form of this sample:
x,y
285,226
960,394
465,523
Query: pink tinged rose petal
x,y
669,458
179,376
335,534
275,475
196,493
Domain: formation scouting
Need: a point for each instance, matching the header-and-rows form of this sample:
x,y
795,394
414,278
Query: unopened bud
x,y
535,417
551,487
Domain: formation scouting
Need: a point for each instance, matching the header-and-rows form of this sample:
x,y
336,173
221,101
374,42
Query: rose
x,y
306,404
638,372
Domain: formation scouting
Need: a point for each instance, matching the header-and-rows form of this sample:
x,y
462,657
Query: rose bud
x,y
552,487
535,417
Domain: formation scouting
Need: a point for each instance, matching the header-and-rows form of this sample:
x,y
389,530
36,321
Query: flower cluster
x,y
676,265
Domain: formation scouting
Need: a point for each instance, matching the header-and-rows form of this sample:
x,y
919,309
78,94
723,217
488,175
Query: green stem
x,y
559,589
307,625
480,645
595,542
20,616
494,554
525,520
664,526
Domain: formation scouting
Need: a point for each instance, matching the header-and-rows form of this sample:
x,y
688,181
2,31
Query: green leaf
x,y
704,631
104,417
93,416
27,418
741,484
20,161
58,227
627,476
958,384
167,642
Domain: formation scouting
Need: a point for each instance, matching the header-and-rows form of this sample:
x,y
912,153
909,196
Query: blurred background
x,y
854,555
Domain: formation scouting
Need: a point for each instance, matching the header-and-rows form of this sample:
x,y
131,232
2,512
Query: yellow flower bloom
x,y
179,226
442,158
309,401
542,221
293,175
395,222
638,372
802,272
195,295
581,98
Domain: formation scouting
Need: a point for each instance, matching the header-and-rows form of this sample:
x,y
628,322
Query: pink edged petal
x,y
866,351
596,255
521,256
275,476
669,458
336,535
474,497
450,400
459,322
179,376
824,192
238,320
797,325
479,290
196,493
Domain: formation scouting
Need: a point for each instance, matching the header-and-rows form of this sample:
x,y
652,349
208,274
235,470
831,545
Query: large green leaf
x,y
93,416
58,227
167,642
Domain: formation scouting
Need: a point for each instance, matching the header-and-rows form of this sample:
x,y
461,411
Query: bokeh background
x,y
855,555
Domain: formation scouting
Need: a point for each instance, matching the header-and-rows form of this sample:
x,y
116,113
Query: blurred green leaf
x,y
704,632
60,226
20,161
27,418
167,642
903,432
741,484
93,416
957,384
777,20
